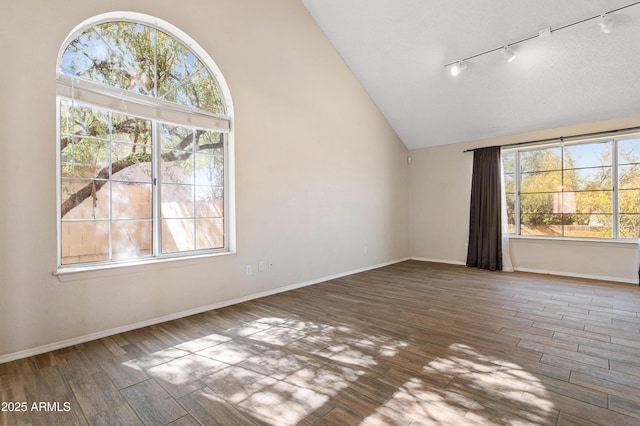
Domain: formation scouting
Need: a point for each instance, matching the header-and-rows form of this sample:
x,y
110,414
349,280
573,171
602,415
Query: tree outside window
x,y
143,142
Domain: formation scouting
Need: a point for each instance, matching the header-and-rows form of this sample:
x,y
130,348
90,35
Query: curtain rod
x,y
561,138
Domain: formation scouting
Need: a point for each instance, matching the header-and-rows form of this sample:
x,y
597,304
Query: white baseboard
x,y
450,262
543,271
99,335
575,275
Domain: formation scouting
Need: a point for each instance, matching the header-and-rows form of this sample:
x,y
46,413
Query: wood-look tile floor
x,y
409,344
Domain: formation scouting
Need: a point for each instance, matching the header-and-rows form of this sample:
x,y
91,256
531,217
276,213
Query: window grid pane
x,y
108,179
577,198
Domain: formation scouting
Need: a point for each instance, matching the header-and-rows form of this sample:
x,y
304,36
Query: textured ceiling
x,y
398,48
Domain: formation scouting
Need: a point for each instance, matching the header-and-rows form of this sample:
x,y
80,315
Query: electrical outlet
x,y
261,266
270,265
248,270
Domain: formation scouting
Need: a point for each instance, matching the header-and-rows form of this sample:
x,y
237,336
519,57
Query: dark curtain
x,y
485,221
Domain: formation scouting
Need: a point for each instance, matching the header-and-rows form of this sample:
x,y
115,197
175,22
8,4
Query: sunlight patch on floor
x,y
203,342
253,374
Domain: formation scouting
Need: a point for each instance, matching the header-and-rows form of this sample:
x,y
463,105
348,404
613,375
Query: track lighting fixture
x,y
458,68
508,54
606,23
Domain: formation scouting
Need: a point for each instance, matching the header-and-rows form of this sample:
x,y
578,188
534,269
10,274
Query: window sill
x,y
576,241
77,273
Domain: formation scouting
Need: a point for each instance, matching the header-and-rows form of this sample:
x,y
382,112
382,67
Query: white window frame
x,y
615,190
159,111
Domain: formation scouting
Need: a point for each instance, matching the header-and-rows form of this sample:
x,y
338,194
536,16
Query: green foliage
x,y
142,59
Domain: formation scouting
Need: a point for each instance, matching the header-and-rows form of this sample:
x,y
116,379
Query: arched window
x,y
143,144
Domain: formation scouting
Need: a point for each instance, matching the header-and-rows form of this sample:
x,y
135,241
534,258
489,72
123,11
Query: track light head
x,y
606,23
508,54
458,68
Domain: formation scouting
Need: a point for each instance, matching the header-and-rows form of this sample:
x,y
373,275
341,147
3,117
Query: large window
x,y
582,189
143,146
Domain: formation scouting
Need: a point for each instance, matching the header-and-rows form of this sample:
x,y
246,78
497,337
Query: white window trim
x,y
101,96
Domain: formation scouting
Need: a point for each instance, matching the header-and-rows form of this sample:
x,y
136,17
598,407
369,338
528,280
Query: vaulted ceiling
x,y
398,49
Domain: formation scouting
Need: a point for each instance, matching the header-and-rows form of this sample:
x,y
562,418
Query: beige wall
x,y
322,184
439,196
319,172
